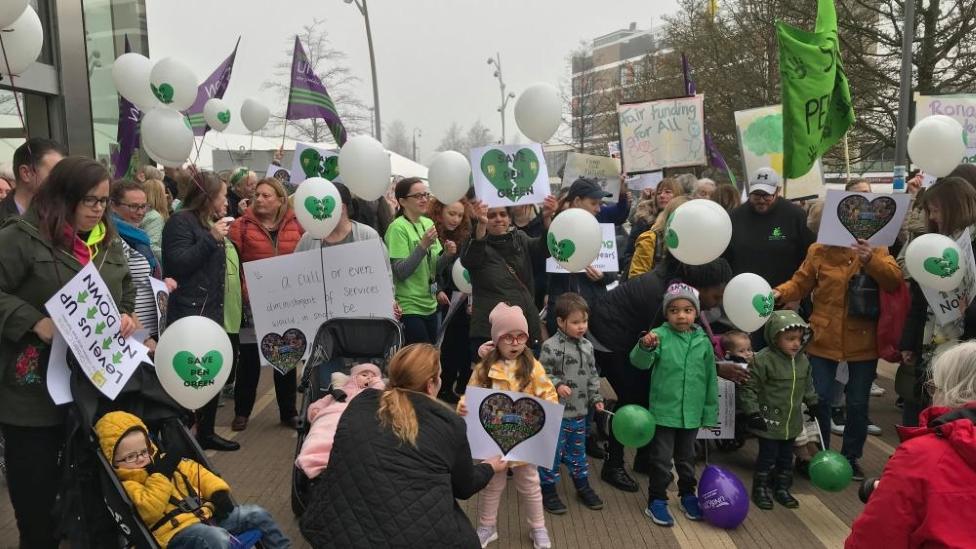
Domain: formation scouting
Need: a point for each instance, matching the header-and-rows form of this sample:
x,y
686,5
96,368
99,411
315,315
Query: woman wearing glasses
x,y
416,256
64,229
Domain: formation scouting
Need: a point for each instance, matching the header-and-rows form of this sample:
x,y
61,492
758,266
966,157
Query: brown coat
x,y
825,273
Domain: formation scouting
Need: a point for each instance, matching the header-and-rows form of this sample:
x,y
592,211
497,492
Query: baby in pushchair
x,y
323,415
182,503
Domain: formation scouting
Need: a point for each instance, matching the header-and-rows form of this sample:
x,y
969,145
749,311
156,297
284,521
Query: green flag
x,y
817,109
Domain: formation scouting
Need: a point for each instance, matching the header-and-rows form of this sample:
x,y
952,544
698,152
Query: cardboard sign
x,y
607,261
292,295
606,171
726,413
310,161
961,107
876,218
89,321
761,142
949,307
518,426
643,181
510,175
281,174
662,134
161,295
58,374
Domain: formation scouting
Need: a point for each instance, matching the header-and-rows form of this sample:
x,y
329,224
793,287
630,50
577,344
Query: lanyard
x,y
420,237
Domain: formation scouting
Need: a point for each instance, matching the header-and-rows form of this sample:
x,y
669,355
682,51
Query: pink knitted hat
x,y
505,319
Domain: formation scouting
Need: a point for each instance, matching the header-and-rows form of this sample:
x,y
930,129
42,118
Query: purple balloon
x,y
723,498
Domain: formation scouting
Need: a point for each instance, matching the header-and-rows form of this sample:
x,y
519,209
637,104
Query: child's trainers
x,y
551,501
658,512
486,535
689,504
540,538
589,498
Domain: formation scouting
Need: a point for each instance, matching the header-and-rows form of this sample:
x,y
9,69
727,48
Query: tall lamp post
x,y
904,100
497,62
363,9
416,133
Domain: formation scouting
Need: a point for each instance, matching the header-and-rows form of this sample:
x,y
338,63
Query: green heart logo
x,y
466,275
224,117
320,208
562,250
671,237
315,165
330,167
512,174
197,371
164,93
763,304
945,266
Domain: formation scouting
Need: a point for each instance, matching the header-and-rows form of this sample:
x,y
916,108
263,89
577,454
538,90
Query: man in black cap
x,y
585,193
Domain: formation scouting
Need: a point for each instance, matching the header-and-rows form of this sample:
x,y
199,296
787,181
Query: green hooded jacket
x,y
684,382
778,382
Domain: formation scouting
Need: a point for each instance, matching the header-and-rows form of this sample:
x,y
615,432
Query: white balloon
x,y
193,360
935,261
936,144
10,10
461,277
748,301
574,239
130,73
173,84
22,40
254,114
365,167
166,136
538,112
318,206
698,232
449,176
217,113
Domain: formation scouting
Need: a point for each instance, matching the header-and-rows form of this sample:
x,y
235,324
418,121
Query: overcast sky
x,y
430,54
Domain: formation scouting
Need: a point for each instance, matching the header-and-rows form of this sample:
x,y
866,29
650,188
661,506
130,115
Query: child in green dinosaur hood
x,y
780,379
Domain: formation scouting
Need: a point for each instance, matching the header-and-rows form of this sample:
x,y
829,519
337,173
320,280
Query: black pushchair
x,y
339,344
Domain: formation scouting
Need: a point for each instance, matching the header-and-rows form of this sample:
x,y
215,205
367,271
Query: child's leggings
x,y
571,450
526,479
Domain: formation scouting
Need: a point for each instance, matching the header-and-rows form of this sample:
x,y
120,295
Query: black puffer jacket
x,y
198,263
618,317
380,492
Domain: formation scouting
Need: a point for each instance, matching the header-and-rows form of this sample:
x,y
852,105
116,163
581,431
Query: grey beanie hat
x,y
680,290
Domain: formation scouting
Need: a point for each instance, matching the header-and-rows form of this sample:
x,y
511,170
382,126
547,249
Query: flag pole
x,y
284,132
847,158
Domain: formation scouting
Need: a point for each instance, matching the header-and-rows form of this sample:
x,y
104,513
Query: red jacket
x,y
254,242
927,494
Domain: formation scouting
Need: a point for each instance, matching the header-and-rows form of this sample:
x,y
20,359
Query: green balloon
x,y
633,426
830,471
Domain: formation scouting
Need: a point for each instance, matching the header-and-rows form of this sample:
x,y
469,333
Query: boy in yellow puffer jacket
x,y
181,502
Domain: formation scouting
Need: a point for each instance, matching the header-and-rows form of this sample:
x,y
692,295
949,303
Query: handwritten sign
x,y
518,426
89,321
607,261
606,172
292,295
510,175
949,307
726,413
761,141
643,181
876,218
310,161
961,107
662,134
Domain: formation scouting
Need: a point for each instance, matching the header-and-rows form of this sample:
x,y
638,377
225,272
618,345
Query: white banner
x,y
517,426
726,413
667,133
510,175
607,261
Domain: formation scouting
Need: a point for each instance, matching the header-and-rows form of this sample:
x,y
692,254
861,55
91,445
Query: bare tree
x,y
454,139
479,135
338,79
396,139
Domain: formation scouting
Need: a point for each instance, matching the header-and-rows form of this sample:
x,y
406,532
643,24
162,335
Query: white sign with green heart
x,y
311,161
509,175
949,307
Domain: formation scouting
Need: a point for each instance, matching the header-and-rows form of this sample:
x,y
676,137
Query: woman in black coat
x,y
399,462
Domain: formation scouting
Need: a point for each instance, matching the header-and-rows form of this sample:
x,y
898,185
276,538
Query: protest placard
x,y
876,218
660,134
58,373
88,319
961,107
761,142
310,161
643,181
510,175
517,426
613,149
949,307
726,413
161,294
607,261
281,174
606,172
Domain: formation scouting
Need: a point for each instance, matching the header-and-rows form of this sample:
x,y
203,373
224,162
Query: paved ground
x,y
261,473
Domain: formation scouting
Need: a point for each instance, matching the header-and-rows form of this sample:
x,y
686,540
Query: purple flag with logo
x,y
214,86
715,157
308,97
127,134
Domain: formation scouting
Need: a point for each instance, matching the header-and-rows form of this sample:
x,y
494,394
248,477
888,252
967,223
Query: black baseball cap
x,y
585,187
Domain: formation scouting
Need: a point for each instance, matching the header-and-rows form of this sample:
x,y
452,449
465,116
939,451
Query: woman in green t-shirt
x,y
415,254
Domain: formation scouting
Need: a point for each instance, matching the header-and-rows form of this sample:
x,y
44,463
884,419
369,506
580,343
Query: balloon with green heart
x,y
193,360
173,83
216,112
936,261
748,301
509,173
461,277
698,232
318,206
575,239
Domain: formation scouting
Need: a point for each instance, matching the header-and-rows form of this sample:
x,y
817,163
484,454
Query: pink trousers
x,y
526,479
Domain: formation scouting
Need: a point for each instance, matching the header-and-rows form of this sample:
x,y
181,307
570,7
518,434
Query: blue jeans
x,y
241,519
858,392
420,328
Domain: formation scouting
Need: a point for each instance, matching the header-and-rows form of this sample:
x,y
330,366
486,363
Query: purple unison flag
x,y
715,157
214,86
127,134
308,97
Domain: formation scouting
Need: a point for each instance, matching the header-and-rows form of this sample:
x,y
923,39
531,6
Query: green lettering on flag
x,y
817,109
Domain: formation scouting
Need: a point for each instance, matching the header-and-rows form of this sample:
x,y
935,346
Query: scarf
x,y
137,239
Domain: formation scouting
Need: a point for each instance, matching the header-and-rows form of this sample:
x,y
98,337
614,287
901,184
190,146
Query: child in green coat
x,y
683,399
780,379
